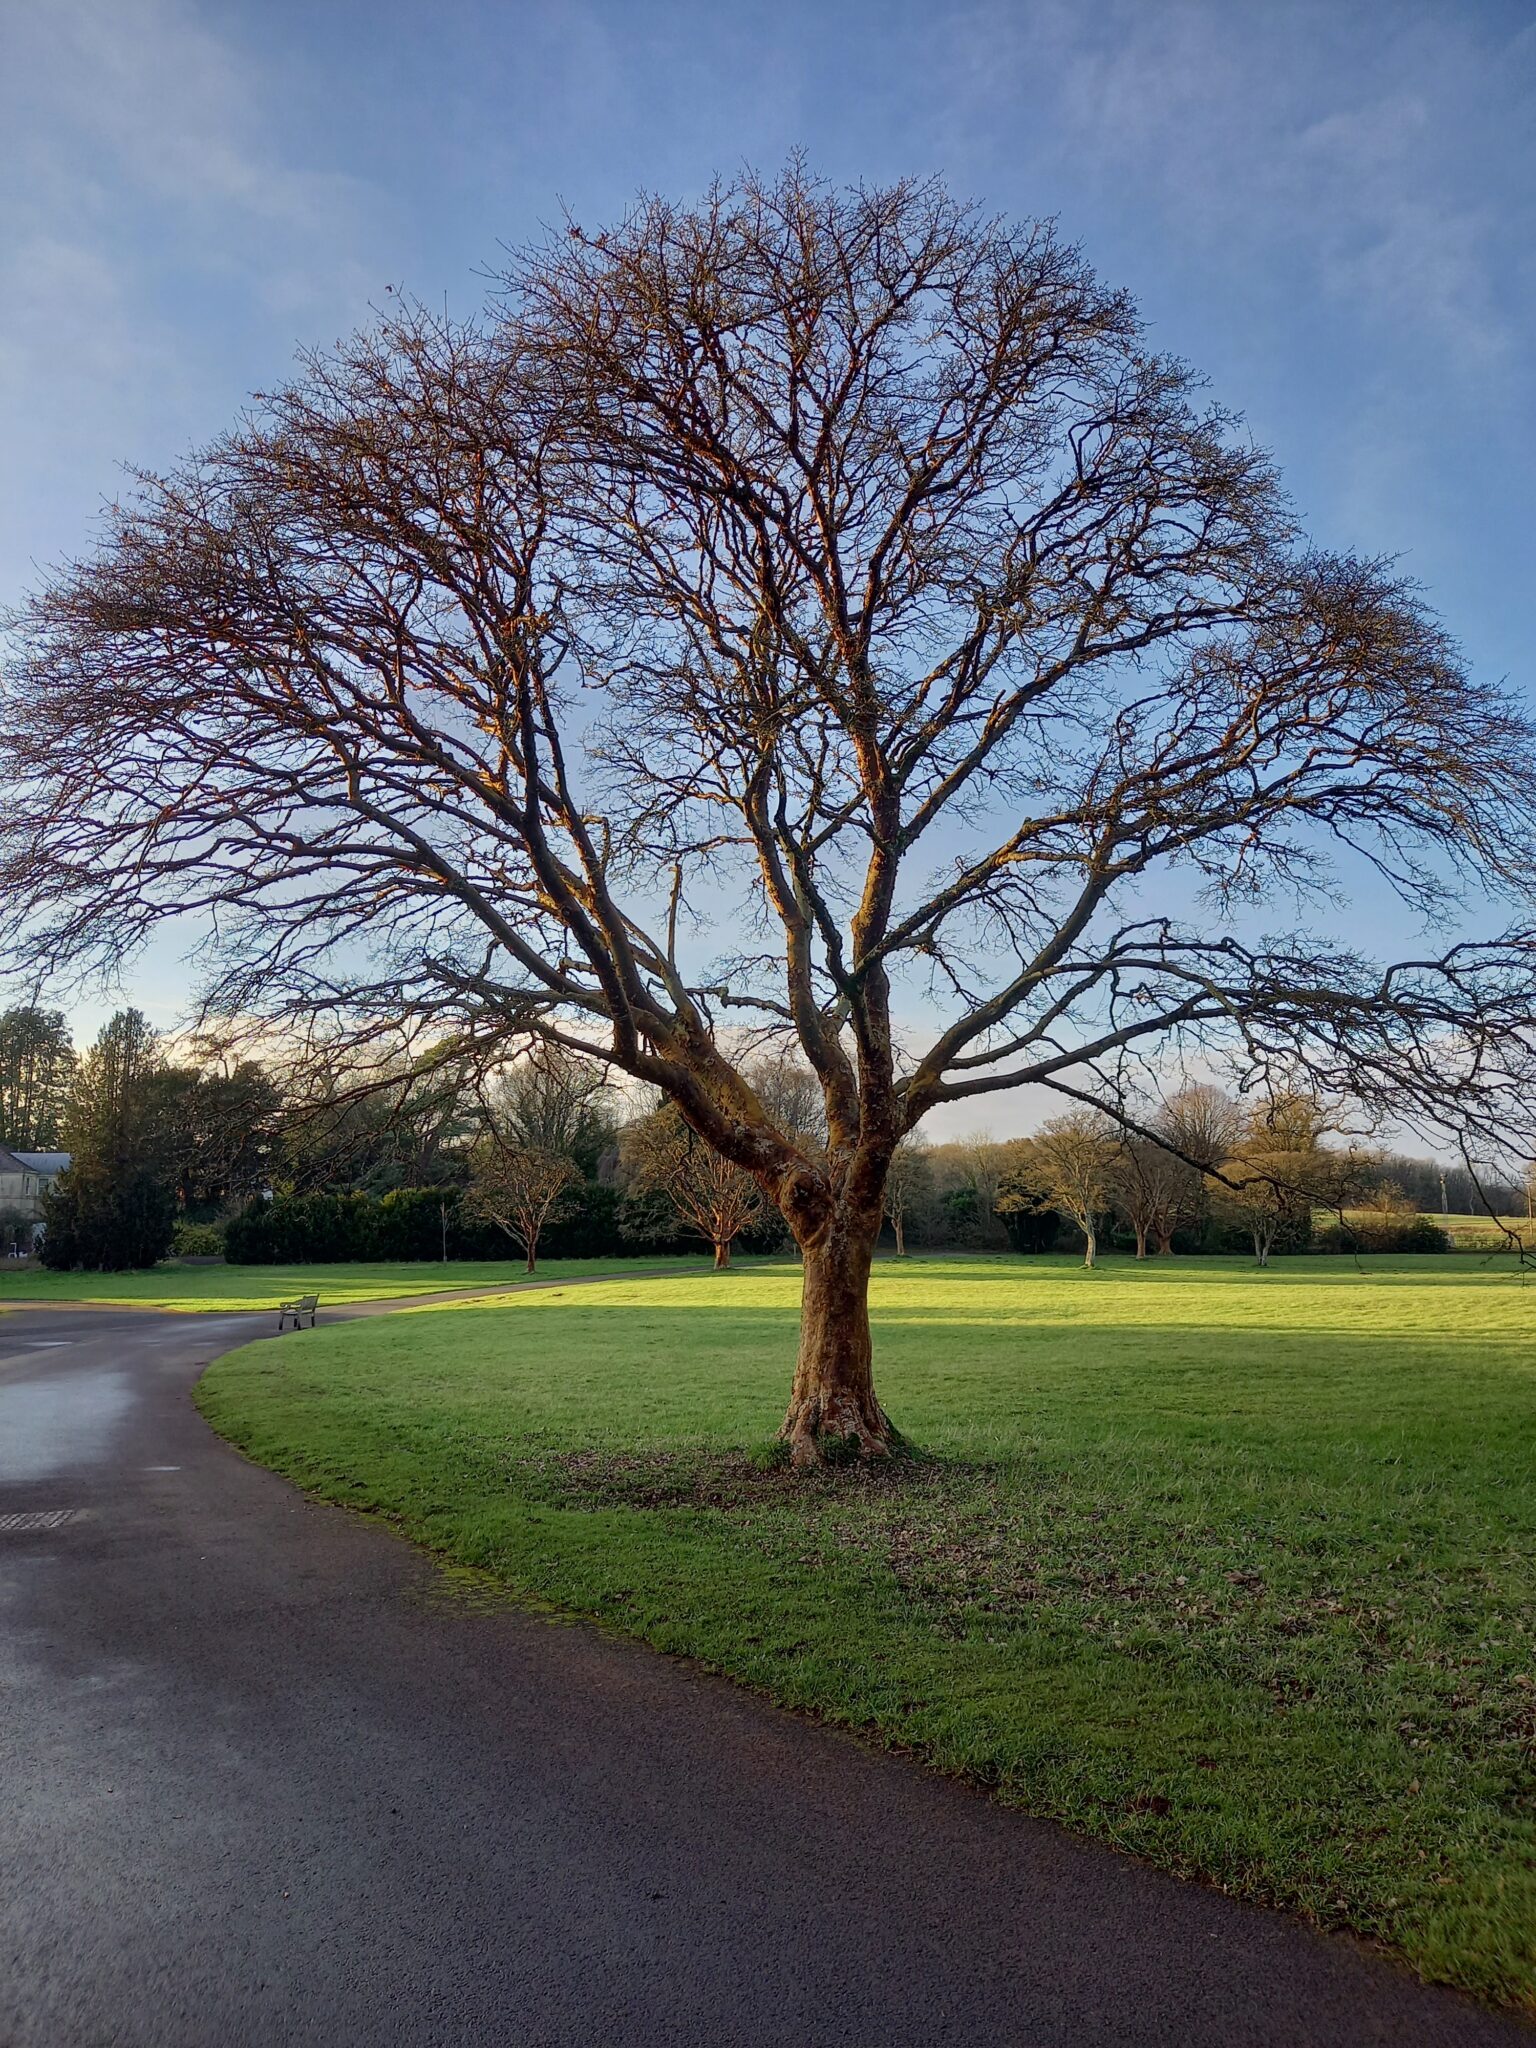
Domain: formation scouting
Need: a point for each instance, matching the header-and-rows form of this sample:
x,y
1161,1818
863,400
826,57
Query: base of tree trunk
x,y
822,1426
832,1406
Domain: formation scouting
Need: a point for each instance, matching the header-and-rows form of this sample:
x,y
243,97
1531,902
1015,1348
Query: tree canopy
x,y
814,618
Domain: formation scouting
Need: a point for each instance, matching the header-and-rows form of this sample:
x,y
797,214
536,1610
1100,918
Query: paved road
x,y
261,1781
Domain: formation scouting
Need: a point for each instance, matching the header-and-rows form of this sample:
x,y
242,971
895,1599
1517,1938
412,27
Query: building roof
x,y
47,1165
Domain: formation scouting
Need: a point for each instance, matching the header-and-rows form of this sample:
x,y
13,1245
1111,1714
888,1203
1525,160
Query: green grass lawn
x,y
1232,1569
192,1288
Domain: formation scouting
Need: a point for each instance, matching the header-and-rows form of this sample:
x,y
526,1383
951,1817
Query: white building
x,y
25,1177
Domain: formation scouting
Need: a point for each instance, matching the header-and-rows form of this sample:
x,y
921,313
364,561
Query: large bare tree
x,y
813,614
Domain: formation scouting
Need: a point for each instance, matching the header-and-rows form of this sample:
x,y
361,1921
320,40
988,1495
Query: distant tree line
x,y
1201,1172
177,1145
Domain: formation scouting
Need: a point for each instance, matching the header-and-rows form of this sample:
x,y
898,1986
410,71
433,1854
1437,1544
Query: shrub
x,y
302,1229
408,1223
198,1240
1383,1234
104,1222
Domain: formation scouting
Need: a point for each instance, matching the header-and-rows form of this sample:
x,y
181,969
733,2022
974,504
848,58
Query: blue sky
x,y
1330,209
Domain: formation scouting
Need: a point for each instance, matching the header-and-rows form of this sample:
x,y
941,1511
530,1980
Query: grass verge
x,y
1231,1569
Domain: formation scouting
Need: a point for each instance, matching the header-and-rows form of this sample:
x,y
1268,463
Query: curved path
x,y
262,1780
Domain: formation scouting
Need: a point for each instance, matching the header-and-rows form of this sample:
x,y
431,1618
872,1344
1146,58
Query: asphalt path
x,y
265,1778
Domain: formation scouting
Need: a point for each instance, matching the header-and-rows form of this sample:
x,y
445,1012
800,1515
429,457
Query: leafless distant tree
x,y
906,1181
771,613
791,1098
522,1188
1280,1170
1075,1159
552,1100
711,1196
1151,1188
1194,1130
1200,1122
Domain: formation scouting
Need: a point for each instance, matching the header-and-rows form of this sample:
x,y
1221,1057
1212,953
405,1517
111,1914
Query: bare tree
x,y
1150,1188
1201,1122
906,1181
711,1196
1197,1127
770,615
1281,1171
556,1101
522,1188
791,1098
1075,1158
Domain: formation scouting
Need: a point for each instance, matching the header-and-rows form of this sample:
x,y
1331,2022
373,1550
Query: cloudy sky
x,y
1331,209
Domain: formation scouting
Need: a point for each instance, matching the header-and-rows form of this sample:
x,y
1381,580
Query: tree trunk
x,y
834,1389
1260,1248
1164,1243
1141,1240
901,1240
722,1254
1091,1250
533,1254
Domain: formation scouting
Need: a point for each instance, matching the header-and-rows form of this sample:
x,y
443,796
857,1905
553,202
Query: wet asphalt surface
x,y
263,1780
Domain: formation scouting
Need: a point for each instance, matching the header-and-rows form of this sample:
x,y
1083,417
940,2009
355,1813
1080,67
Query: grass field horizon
x,y
225,1289
215,1286
1234,1570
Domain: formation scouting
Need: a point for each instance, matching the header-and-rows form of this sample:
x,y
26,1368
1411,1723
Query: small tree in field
x,y
521,1188
711,1197
1280,1171
1075,1158
782,617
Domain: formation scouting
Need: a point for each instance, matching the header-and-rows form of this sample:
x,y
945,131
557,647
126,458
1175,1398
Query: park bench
x,y
306,1305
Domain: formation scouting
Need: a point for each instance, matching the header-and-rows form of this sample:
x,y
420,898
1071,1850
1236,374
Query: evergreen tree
x,y
115,1207
37,1064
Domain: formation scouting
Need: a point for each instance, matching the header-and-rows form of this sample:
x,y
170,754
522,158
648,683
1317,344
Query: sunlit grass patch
x,y
227,1289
